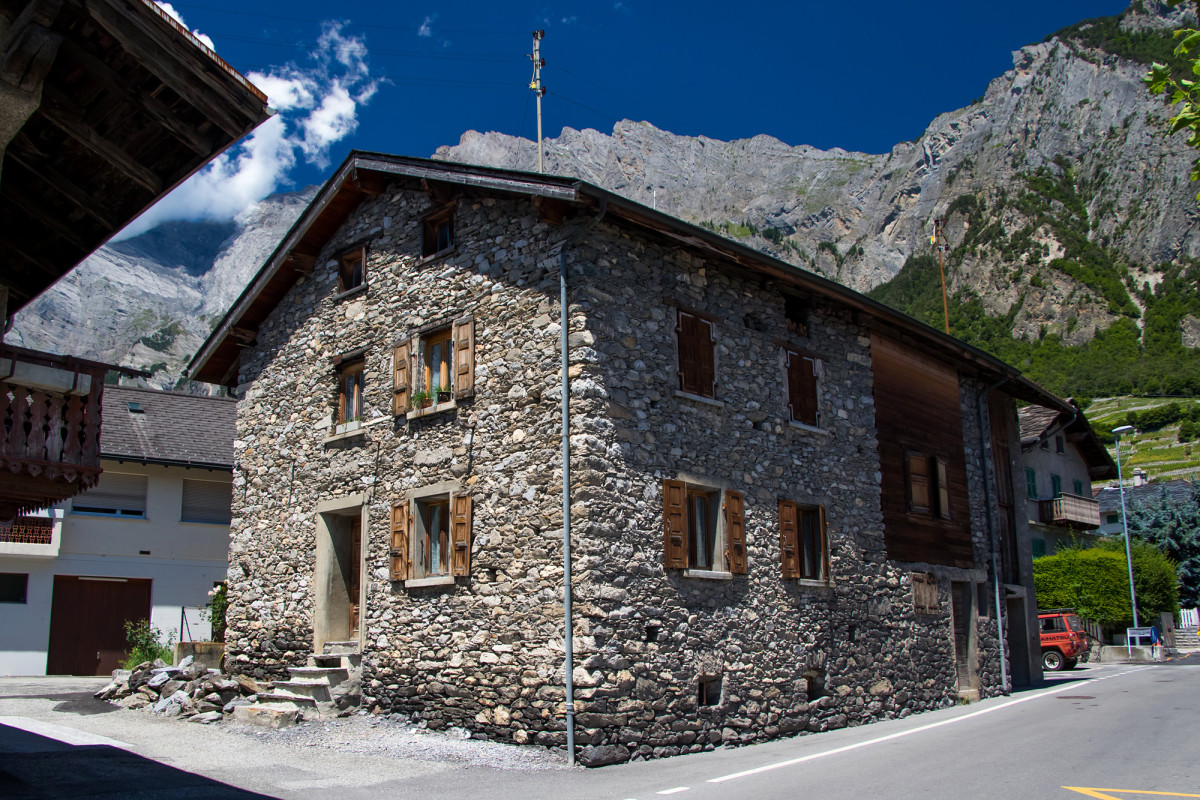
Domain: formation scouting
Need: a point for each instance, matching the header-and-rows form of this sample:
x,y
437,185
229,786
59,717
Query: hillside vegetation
x,y
1166,437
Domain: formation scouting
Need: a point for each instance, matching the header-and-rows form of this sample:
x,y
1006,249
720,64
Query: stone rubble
x,y
189,691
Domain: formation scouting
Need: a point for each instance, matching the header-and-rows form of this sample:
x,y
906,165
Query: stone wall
x,y
486,651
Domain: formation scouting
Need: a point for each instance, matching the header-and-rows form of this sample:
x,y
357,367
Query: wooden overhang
x,y
107,106
365,174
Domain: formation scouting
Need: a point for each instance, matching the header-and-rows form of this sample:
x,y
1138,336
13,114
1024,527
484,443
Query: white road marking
x,y
676,790
1068,686
61,733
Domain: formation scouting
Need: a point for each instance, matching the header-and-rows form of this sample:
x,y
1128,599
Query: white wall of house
x,y
182,559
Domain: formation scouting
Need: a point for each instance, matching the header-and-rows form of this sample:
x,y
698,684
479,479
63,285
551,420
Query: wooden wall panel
x,y
917,408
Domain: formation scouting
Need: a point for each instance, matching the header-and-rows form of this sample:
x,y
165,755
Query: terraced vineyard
x,y
1158,450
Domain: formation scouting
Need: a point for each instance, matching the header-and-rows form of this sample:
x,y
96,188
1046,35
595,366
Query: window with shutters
x,y
437,232
350,391
696,341
928,485
1055,485
704,529
1031,490
1078,486
431,539
206,502
803,542
802,378
434,369
352,269
114,495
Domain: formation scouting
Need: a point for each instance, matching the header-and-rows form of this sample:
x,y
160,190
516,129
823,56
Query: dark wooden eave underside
x,y
126,106
366,174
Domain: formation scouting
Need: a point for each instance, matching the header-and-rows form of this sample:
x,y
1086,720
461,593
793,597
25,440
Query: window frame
x,y
354,368
424,538
1055,486
1031,488
347,282
432,223
935,479
410,552
726,510
794,542
1077,485
411,371
114,512
6,585
183,502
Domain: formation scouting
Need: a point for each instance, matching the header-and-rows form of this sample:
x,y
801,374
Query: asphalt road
x,y
1112,731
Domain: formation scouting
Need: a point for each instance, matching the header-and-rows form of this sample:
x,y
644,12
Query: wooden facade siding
x,y
918,410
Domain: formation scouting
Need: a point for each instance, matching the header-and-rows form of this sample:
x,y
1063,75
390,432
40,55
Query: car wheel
x,y
1052,661
1071,662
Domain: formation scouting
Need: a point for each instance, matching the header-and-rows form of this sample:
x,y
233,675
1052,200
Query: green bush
x,y
1093,582
217,609
146,644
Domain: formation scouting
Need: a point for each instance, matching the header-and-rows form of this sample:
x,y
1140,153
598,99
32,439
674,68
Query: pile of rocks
x,y
188,690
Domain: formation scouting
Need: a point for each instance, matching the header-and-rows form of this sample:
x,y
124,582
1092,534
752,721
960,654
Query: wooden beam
x,y
551,210
303,263
52,221
244,336
439,192
57,110
369,183
159,51
60,183
143,101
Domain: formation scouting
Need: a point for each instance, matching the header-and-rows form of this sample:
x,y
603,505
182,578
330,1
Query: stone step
x,y
266,716
316,690
348,661
284,701
339,648
331,675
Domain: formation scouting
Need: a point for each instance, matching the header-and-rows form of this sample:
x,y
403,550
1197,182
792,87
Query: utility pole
x,y
536,85
939,240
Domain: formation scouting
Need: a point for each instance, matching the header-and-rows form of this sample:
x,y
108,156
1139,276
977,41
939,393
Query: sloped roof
x,y
156,427
364,175
1039,423
1174,492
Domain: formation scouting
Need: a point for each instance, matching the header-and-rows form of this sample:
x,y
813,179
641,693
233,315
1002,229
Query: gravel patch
x,y
395,737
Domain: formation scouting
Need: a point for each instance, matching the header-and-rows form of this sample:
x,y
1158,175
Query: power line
x,y
605,114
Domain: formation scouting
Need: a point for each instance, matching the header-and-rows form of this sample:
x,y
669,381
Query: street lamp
x,y
1125,519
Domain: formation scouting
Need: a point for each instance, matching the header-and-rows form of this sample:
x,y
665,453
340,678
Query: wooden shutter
x,y
917,465
401,378
400,563
735,531
697,371
802,388
943,487
460,536
675,546
789,540
824,544
464,357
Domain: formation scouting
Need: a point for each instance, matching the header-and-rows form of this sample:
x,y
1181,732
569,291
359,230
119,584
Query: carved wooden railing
x,y
28,530
1070,510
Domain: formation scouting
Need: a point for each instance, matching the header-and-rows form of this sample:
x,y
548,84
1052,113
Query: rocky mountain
x,y
1070,226
1063,153
149,301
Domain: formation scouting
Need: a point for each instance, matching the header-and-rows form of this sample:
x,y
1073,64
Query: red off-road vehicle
x,y
1064,639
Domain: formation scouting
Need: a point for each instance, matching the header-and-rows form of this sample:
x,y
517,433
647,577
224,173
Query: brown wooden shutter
x,y
675,546
401,378
460,536
789,540
824,544
399,549
464,357
735,531
943,488
802,388
697,373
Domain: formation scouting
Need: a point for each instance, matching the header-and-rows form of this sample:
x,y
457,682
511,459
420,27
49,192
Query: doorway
x,y
337,604
964,646
87,622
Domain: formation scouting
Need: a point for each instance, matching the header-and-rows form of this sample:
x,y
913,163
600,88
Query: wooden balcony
x,y
50,434
1070,511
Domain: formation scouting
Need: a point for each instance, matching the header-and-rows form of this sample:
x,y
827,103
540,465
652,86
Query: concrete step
x,y
339,648
331,675
316,690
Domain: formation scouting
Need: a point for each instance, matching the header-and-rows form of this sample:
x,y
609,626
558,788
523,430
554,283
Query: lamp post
x,y
1125,519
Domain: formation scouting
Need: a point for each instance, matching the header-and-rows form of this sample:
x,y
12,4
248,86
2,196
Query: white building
x,y
149,539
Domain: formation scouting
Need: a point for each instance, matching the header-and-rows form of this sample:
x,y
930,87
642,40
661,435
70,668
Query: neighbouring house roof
x,y
172,428
363,175
1174,492
110,104
1039,423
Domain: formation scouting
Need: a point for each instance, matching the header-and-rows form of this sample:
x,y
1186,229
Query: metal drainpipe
x,y
987,495
568,628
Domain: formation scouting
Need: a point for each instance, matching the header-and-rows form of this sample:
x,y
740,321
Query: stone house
x,y
782,500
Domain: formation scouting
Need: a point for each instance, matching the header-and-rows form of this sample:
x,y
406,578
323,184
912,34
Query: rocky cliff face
x,y
150,301
1071,113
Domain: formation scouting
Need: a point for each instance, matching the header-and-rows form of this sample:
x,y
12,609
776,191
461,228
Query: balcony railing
x,y
1070,510
28,530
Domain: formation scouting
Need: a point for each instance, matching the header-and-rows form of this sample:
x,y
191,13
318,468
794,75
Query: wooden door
x,y
355,572
87,622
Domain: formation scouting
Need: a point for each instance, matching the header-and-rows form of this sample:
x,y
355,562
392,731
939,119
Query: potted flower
x,y
439,394
421,399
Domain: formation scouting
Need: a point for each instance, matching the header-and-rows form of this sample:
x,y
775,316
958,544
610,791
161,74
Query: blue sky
x,y
407,77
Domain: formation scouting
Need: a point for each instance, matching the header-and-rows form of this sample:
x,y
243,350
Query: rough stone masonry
x,y
667,661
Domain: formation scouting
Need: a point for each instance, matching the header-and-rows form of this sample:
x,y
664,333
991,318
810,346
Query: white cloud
x,y
317,107
426,28
175,15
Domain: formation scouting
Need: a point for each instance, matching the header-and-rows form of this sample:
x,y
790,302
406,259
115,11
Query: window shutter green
x,y
1031,490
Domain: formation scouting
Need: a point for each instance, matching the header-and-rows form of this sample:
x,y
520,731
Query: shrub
x,y
145,644
217,609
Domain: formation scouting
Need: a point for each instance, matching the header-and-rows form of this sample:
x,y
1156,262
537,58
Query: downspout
x,y
568,628
984,426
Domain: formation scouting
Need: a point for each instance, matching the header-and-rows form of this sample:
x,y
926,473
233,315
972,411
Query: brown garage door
x,y
87,622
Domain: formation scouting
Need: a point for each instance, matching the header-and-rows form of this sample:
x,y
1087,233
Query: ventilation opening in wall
x,y
652,632
814,682
709,691
795,312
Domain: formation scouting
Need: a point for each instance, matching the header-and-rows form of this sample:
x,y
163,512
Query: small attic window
x,y
352,269
437,232
795,312
136,408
